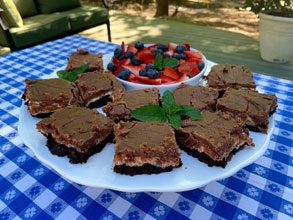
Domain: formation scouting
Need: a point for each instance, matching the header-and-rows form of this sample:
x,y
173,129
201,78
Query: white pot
x,y
276,38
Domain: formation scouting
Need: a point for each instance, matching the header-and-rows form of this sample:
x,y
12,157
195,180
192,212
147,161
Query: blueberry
x,y
124,74
177,56
139,45
142,73
111,67
135,61
149,66
118,52
162,47
129,54
183,56
200,65
180,49
153,74
157,51
121,57
166,55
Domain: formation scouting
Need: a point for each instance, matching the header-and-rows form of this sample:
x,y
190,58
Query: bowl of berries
x,y
164,66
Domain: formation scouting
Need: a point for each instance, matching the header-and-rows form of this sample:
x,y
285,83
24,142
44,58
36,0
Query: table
x,y
29,189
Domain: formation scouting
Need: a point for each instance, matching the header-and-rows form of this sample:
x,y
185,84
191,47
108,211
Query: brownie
x,y
202,98
253,107
124,103
76,132
145,148
97,87
44,96
214,138
81,57
223,76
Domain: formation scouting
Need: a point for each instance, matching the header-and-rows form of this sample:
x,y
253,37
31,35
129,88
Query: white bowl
x,y
171,87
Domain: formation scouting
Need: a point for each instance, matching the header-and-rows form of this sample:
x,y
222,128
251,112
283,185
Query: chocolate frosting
x,y
198,96
76,127
230,75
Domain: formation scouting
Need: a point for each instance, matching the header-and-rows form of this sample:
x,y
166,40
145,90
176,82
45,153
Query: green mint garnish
x,y
158,62
169,112
170,62
73,75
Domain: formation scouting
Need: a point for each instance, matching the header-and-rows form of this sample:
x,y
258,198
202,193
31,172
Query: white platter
x,y
97,172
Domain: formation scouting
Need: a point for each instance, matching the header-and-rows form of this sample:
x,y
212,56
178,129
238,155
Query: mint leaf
x,y
175,120
149,113
190,111
168,100
158,62
73,75
170,62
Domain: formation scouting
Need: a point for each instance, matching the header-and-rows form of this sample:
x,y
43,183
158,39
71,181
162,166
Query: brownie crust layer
x,y
252,107
44,96
81,57
124,103
223,76
200,97
94,86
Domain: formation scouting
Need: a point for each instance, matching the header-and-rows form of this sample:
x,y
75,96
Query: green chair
x,y
51,19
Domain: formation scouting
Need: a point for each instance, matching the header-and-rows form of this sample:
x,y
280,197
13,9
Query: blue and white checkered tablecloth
x,y
29,189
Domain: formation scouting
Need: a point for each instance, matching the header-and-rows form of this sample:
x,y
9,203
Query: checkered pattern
x,y
29,189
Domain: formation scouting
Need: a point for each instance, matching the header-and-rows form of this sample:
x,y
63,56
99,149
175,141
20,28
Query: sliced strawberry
x,y
170,72
187,46
134,69
131,77
194,60
131,48
183,78
147,80
188,68
115,60
193,54
167,80
144,56
149,48
169,52
181,61
172,46
149,61
118,69
123,47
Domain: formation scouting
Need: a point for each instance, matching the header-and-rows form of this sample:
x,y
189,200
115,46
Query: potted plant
x,y
275,28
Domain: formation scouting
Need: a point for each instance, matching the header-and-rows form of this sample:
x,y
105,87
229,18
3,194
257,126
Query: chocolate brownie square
x,y
202,98
97,87
76,133
124,103
81,57
223,76
253,107
214,139
145,148
44,96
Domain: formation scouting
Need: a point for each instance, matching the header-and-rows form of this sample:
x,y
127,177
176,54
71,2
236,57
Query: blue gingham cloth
x,y
29,189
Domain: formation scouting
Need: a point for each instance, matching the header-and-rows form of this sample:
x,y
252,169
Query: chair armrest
x,y
3,23
105,3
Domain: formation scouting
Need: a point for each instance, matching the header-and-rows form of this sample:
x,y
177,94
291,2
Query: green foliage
x,y
282,8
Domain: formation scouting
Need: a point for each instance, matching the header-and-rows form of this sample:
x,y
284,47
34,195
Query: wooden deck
x,y
219,46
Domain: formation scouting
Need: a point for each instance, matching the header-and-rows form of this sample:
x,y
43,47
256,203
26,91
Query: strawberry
x,y
187,46
170,72
188,68
194,60
131,48
115,60
181,61
167,80
118,69
193,54
149,61
169,52
183,78
172,46
134,69
147,80
123,47
144,56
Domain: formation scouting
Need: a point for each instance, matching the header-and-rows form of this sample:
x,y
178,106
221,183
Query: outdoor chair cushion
x,y
26,8
85,16
50,6
39,28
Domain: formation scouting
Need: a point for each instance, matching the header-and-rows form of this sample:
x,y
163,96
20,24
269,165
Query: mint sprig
x,y
72,75
169,112
160,63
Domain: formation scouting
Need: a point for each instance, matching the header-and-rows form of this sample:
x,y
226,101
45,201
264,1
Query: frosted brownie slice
x,y
214,139
81,57
44,96
145,148
202,98
76,133
123,103
253,107
97,87
223,76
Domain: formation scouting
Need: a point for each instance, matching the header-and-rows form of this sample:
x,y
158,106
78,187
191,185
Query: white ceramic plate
x,y
97,172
